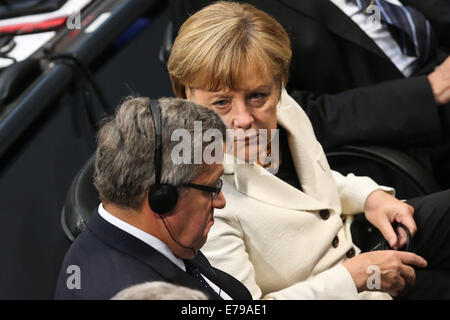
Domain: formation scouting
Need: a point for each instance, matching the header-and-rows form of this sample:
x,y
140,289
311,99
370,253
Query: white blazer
x,y
270,235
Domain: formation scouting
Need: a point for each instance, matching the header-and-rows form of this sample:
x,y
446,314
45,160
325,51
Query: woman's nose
x,y
220,202
242,118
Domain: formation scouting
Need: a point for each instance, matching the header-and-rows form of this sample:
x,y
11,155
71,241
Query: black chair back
x,y
81,200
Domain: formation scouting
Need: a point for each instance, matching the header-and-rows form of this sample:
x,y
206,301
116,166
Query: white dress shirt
x,y
155,243
380,35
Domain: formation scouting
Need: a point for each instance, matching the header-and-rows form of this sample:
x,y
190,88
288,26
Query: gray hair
x,y
124,164
159,290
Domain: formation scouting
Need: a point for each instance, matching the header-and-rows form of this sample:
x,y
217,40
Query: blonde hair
x,y
217,46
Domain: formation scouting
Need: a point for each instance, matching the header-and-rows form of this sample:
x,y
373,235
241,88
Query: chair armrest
x,y
418,176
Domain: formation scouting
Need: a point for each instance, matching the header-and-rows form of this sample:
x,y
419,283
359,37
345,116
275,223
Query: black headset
x,y
162,197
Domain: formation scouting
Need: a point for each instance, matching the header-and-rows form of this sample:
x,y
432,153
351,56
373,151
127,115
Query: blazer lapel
x,y
255,182
308,156
132,246
336,21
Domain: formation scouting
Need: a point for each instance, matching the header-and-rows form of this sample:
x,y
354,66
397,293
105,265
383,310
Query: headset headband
x,y
156,114
162,197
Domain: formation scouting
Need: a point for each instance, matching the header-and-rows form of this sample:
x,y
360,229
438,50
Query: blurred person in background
x,y
159,290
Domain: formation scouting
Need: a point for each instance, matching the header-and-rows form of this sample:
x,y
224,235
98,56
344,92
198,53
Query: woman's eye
x,y
258,97
220,103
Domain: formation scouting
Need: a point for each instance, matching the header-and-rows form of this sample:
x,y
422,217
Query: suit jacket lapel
x,y
336,21
130,245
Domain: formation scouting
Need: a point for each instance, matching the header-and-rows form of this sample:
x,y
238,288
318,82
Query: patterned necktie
x,y
195,273
409,28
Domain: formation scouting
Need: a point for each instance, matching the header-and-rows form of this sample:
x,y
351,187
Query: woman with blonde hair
x,y
285,233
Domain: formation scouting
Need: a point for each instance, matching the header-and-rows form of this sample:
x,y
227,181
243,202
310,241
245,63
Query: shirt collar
x,y
149,239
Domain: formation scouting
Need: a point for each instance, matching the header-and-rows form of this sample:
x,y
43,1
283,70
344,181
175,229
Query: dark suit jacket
x,y
111,259
349,88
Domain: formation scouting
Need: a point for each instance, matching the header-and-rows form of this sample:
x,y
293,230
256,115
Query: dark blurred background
x,y
38,166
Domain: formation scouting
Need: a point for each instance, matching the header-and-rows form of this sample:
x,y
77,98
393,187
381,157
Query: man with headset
x,y
155,214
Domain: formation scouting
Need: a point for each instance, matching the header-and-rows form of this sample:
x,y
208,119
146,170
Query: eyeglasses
x,y
214,190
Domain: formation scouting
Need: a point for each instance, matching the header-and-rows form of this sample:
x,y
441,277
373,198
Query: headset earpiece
x,y
162,197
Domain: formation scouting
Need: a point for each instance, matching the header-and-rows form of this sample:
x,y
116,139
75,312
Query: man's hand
x,y
440,82
395,269
381,210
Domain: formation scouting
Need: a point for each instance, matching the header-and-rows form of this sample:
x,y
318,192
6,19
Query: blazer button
x,y
324,214
350,253
335,242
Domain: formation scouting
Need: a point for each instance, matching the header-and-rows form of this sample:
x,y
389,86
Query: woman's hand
x,y
381,210
394,266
